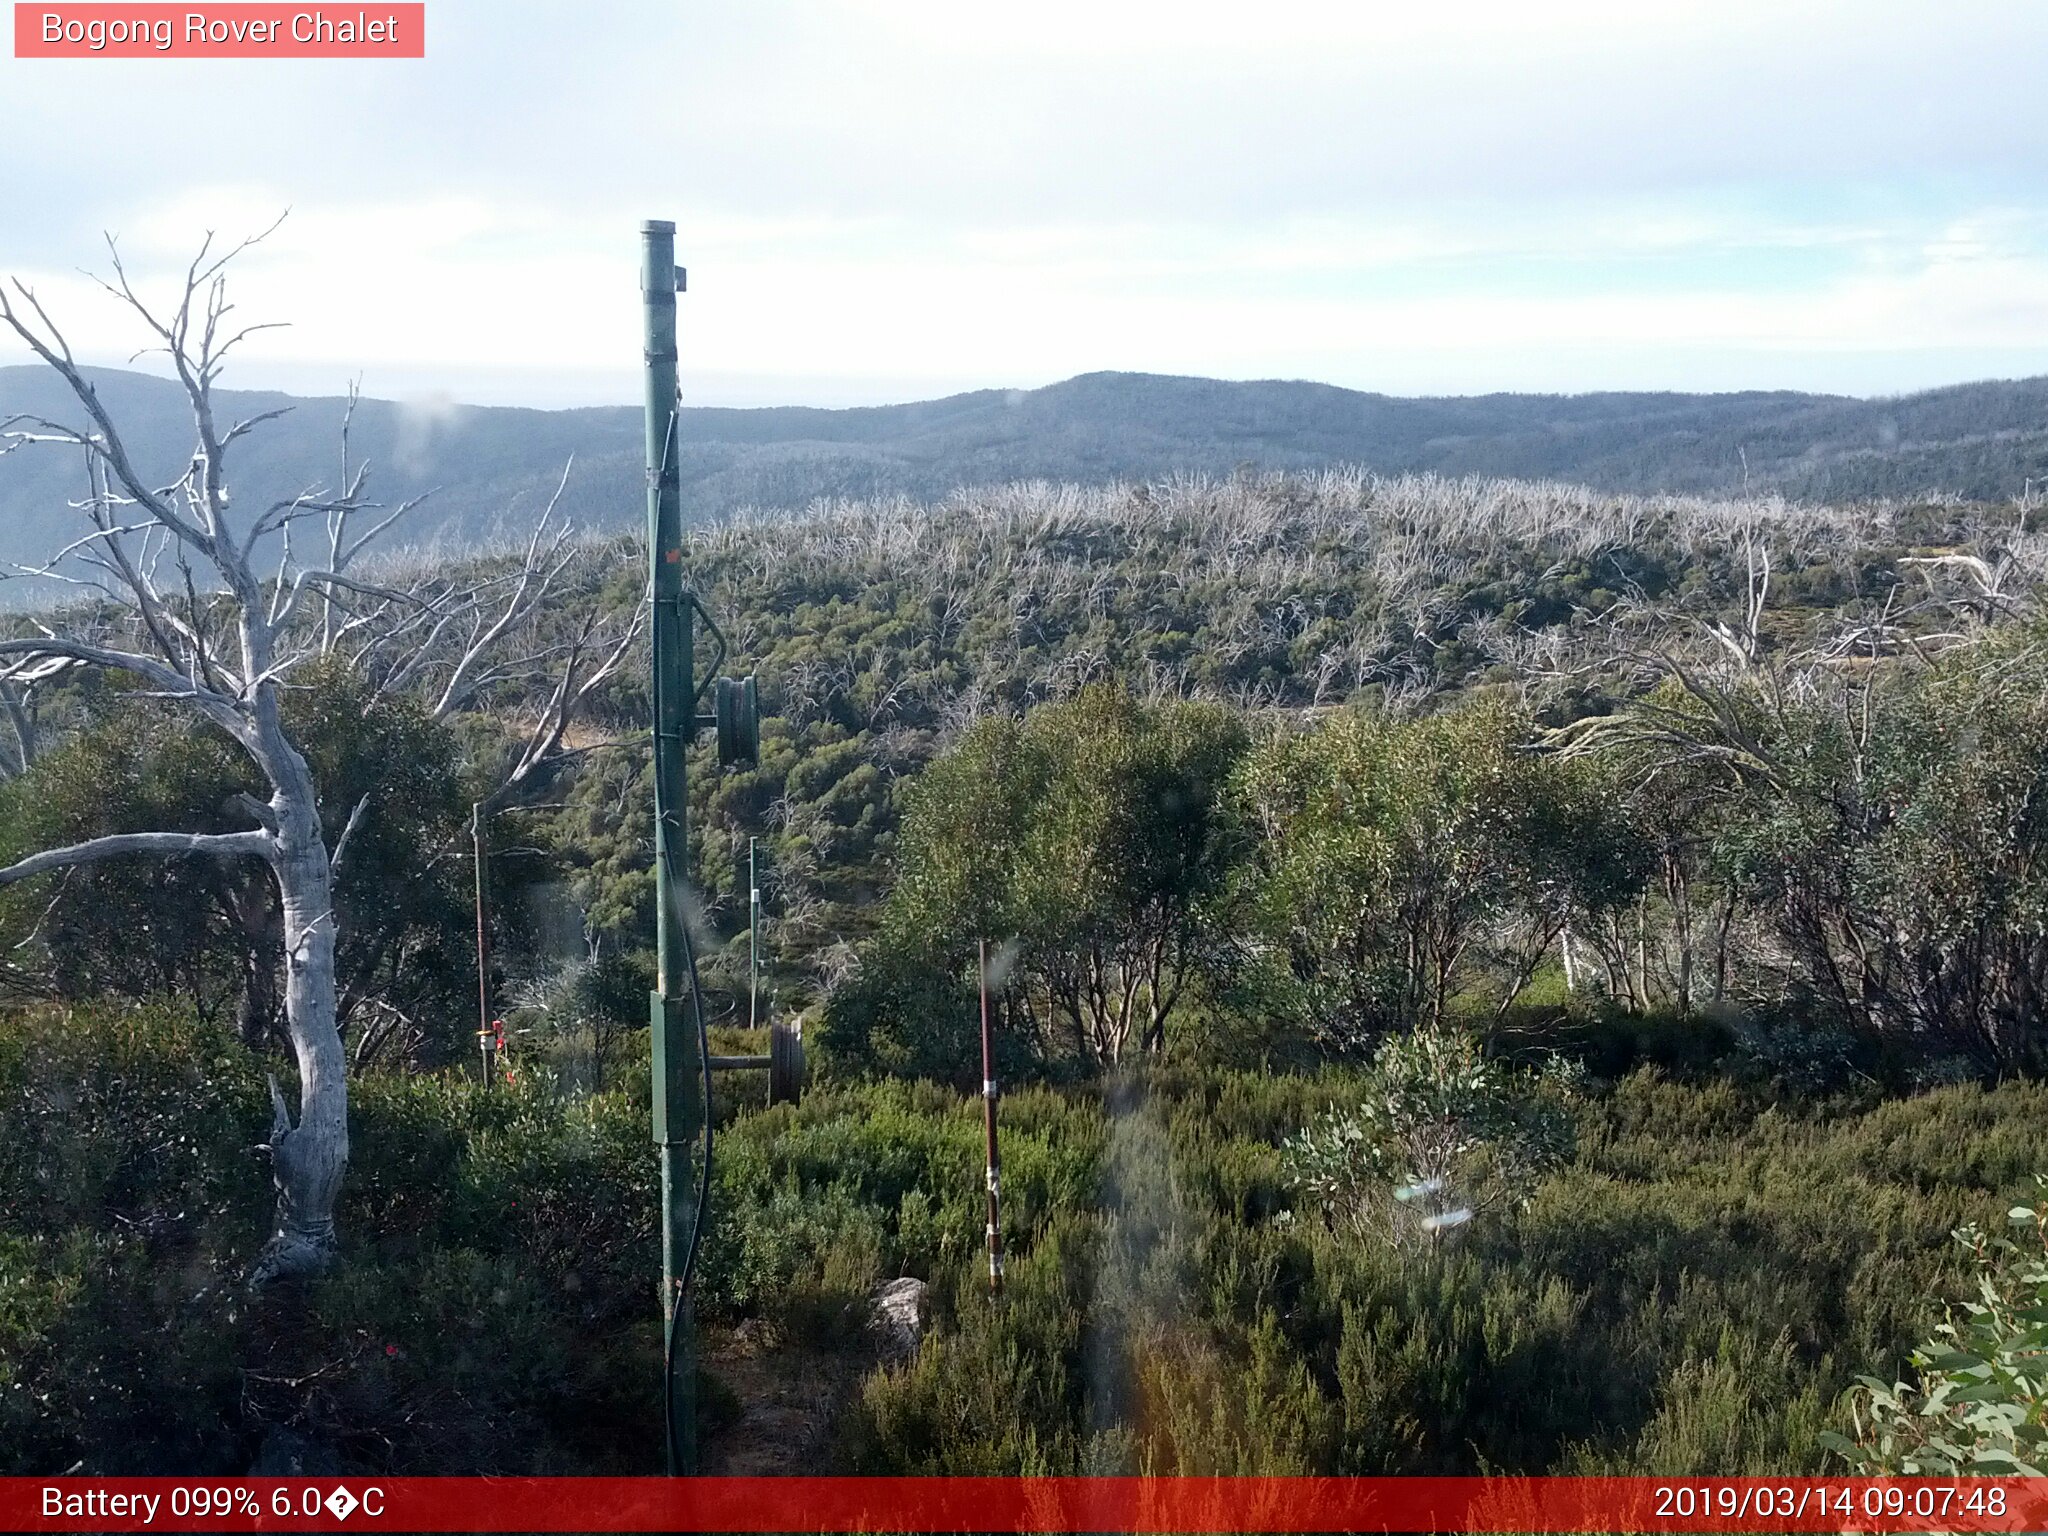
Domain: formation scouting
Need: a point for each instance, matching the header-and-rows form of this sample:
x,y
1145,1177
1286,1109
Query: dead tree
x,y
210,608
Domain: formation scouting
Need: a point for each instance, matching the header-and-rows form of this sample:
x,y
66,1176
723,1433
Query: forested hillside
x,y
489,467
1492,975
884,630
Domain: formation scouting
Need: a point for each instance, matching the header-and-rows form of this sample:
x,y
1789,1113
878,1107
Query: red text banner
x,y
1051,1504
220,31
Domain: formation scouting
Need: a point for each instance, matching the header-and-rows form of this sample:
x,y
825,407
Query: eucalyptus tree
x,y
1886,824
1090,837
211,607
1390,855
1870,798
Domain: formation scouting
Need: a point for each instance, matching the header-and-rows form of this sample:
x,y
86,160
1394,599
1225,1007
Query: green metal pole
x,y
753,939
678,1064
484,1033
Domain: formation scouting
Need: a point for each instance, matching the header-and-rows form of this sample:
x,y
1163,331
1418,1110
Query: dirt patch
x,y
790,1400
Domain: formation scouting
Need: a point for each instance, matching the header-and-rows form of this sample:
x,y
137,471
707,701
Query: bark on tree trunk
x,y
309,1159
254,908
256,1016
1679,889
1721,946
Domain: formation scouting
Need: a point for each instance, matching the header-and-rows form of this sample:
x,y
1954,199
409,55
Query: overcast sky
x,y
890,199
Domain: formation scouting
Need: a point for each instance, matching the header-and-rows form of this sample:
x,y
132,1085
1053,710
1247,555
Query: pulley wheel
x,y
785,1062
737,705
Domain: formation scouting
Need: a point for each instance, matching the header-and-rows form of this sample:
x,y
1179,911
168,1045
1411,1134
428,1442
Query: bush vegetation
x,y
1692,1289
1477,987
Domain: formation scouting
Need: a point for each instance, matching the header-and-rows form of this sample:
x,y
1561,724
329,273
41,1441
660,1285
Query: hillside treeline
x,y
489,467
884,632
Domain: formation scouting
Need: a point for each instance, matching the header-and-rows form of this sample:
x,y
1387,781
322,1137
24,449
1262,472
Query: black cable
x,y
680,919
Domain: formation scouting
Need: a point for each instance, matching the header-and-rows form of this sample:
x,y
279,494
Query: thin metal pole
x,y
995,1164
483,941
753,938
677,1060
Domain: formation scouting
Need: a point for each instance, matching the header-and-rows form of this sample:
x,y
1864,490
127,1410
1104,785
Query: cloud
x,y
902,190
432,296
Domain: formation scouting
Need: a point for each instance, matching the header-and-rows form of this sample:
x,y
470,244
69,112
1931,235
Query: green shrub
x,y
130,1204
121,1351
1980,1406
1441,1134
493,1298
1000,1386
1689,1290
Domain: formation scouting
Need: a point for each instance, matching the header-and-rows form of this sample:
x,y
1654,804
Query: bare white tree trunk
x,y
308,1160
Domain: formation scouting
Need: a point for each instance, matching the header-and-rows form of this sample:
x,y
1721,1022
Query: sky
x,y
883,200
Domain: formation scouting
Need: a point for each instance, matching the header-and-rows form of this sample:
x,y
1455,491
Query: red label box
x,y
232,31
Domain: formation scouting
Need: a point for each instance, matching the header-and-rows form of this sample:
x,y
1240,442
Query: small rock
x,y
898,1320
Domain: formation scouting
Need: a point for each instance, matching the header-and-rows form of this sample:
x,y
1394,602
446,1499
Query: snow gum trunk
x,y
307,1160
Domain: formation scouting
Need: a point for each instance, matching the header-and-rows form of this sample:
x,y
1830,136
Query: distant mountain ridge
x,y
490,467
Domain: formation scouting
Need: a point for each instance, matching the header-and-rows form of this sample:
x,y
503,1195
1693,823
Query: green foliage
x,y
902,1014
491,1313
884,630
603,840
210,930
1980,1406
587,1011
998,1391
129,1118
1089,842
1890,828
126,1206
135,927
1441,1135
1687,1296
863,1182
1683,1285
405,955
1388,851
1689,1292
